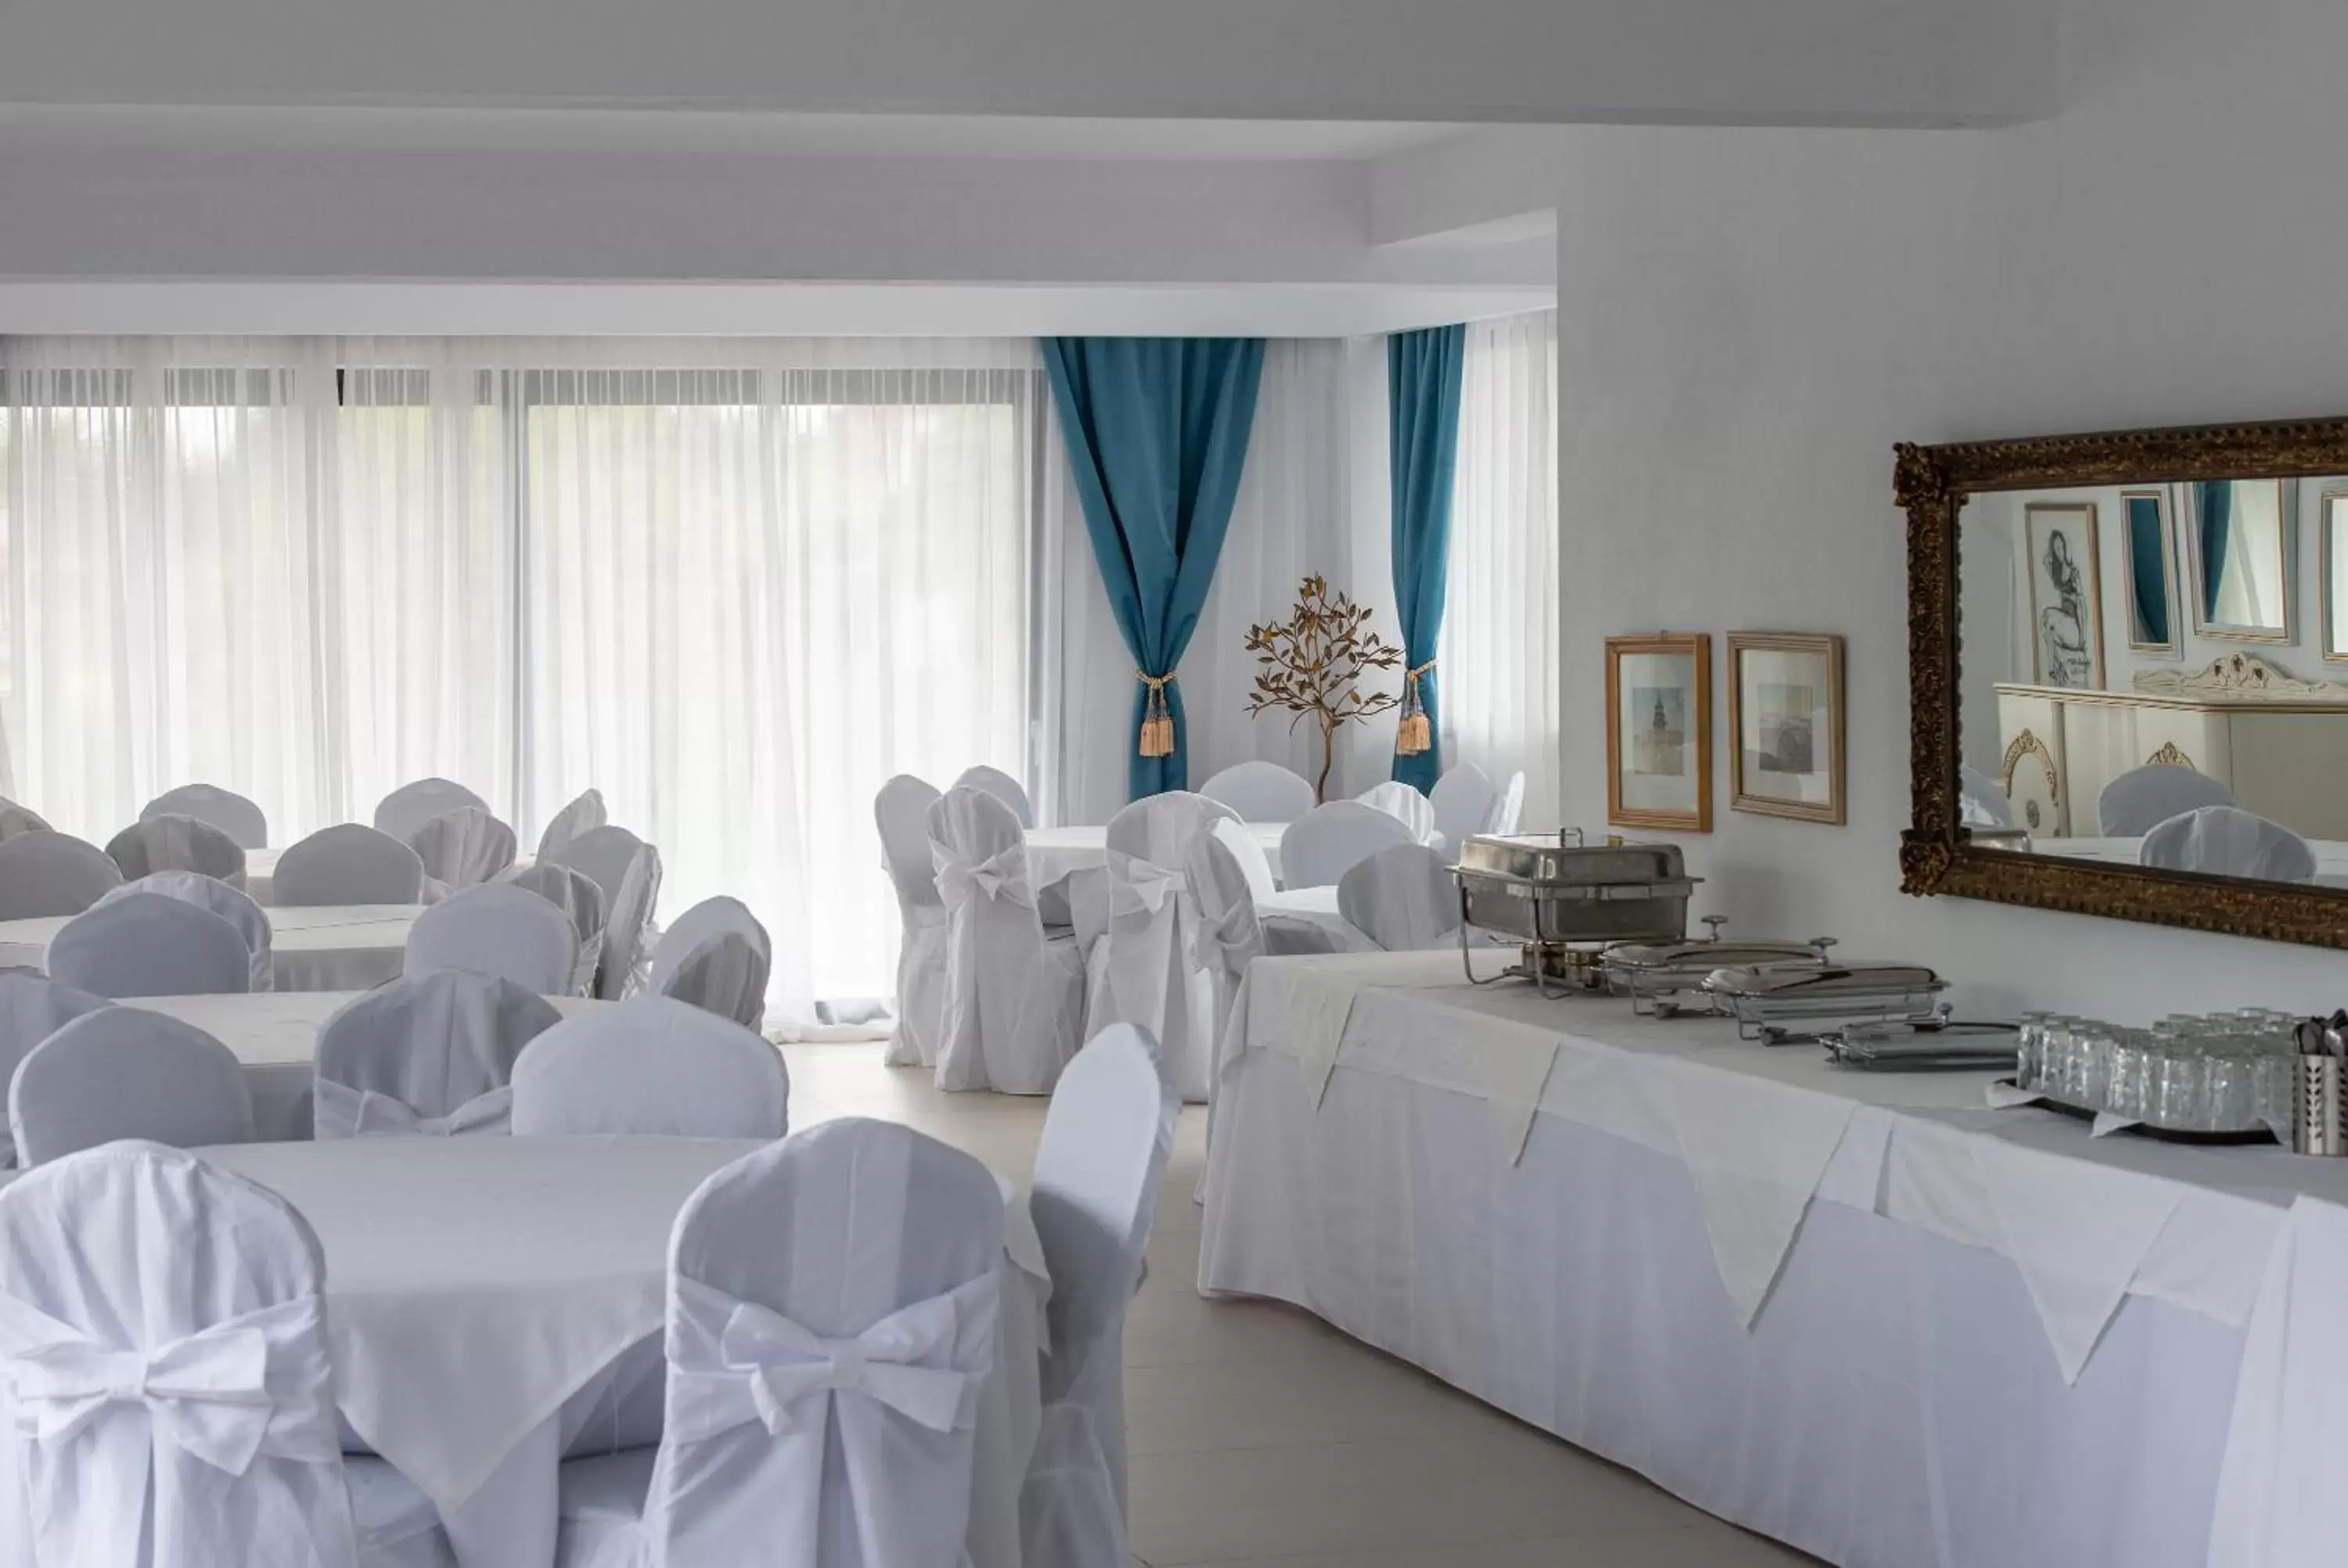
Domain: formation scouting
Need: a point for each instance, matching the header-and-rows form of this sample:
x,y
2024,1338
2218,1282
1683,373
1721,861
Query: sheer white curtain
x,y
1498,650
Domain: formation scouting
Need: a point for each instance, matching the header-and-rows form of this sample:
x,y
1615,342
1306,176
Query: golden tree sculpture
x,y
1313,663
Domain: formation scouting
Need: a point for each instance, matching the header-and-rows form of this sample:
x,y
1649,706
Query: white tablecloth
x,y
323,947
1054,852
275,1035
261,871
475,1284
1317,907
1987,1340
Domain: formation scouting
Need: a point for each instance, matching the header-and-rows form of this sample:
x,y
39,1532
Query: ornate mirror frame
x,y
1936,853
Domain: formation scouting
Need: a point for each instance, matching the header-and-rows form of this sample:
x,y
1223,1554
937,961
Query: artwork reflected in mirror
x,y
1659,732
2332,511
2151,588
2065,600
2240,533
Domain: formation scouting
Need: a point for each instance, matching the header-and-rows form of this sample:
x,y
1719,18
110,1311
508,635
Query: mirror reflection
x,y
2137,686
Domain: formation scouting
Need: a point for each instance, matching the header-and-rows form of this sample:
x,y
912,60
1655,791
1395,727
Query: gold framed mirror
x,y
2117,705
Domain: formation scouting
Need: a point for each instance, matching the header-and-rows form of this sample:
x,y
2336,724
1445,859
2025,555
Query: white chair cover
x,y
125,1073
1013,999
1405,805
1328,841
497,930
901,810
717,958
2142,798
1148,971
833,1304
44,872
1401,897
15,819
1098,1173
2221,841
352,863
231,903
1981,799
1261,792
224,809
581,902
628,870
1507,808
148,945
411,806
650,1065
1230,938
463,848
584,813
32,1008
163,1342
1463,800
430,1054
1003,788
1247,850
155,844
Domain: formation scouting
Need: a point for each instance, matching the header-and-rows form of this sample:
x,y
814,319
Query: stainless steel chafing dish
x,y
1561,899
1906,1046
1666,977
1783,1003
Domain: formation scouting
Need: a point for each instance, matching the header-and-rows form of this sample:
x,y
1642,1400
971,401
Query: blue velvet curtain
x,y
1423,431
1157,432
2148,568
2213,506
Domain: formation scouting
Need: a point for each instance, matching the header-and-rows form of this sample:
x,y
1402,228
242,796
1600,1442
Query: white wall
x,y
1748,321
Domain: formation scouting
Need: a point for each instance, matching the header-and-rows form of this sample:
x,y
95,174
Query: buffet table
x,y
1861,1313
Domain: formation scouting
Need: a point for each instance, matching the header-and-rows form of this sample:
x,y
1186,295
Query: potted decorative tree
x,y
1313,664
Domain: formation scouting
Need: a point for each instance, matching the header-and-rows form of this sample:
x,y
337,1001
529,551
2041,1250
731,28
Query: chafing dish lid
x,y
1786,982
1548,858
1643,957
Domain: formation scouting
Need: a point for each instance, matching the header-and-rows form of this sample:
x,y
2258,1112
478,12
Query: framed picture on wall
x,y
1659,731
2066,616
2150,592
2239,539
1784,725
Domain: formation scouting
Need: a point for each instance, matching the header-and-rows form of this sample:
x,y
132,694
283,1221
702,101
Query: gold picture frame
x,y
1785,747
2328,560
1662,776
2164,527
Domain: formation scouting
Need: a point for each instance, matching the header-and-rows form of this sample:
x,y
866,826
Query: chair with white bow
x,y
1321,845
1003,788
148,945
832,1312
1462,801
431,1055
1507,808
901,812
125,1073
1015,999
1405,804
587,810
229,812
231,903
162,1338
44,872
155,844
1229,937
411,806
628,870
32,1008
1403,897
347,864
650,1065
463,848
15,819
2134,803
1148,971
2224,841
582,903
497,930
716,956
1261,792
1098,1170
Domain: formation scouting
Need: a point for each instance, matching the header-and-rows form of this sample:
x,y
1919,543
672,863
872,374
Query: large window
x,y
736,586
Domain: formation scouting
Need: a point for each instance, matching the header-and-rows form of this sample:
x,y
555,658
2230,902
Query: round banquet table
x,y
321,948
1054,852
479,1289
275,1035
261,872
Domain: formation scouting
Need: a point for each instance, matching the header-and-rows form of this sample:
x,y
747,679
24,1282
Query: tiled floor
x,y
1262,1439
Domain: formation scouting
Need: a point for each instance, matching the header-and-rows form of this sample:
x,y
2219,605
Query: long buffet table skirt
x,y
1899,1396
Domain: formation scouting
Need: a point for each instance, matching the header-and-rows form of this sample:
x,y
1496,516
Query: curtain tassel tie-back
x,y
1413,734
1156,719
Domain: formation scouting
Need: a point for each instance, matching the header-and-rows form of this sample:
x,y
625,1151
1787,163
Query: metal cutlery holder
x,y
2318,1125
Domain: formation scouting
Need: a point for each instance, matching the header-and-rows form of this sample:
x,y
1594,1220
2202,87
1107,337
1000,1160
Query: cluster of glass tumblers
x,y
2205,1072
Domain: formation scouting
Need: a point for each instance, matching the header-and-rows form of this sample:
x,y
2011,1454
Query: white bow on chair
x,y
1003,875
103,1414
343,1111
1223,945
1139,886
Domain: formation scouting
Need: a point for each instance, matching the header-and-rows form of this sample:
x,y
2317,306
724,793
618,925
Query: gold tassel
x,y
1156,719
1413,736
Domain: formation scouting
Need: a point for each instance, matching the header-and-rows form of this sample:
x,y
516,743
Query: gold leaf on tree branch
x,y
1313,666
